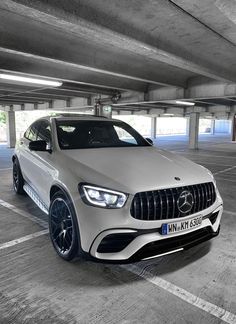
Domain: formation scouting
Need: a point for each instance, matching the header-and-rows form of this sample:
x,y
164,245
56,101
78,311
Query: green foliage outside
x,y
2,118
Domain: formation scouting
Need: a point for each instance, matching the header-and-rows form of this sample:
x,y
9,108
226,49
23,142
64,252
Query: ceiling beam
x,y
96,34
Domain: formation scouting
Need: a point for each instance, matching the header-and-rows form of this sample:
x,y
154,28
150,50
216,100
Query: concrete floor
x,y
36,286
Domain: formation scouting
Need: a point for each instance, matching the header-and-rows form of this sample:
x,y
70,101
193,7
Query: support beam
x,y
11,129
153,127
94,34
194,130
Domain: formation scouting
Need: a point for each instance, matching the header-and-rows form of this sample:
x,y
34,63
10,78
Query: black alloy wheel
x,y
63,227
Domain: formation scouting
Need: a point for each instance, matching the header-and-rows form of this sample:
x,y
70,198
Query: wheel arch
x,y
55,188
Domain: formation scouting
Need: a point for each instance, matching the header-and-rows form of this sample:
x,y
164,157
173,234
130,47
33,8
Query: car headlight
x,y
101,197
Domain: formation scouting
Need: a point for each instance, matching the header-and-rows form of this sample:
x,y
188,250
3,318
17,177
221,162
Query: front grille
x,y
162,204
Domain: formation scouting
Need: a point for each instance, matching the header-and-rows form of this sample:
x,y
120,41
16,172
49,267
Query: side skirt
x,y
34,196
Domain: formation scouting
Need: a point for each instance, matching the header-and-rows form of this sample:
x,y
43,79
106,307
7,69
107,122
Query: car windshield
x,y
80,134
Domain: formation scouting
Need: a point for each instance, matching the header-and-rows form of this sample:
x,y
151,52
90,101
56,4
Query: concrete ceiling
x,y
156,51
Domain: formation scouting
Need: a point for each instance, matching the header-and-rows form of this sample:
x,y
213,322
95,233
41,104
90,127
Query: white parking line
x,y
225,170
209,155
23,213
183,294
229,212
219,178
220,164
22,239
5,169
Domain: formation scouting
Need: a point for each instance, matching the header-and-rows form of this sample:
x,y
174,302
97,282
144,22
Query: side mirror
x,y
38,146
149,140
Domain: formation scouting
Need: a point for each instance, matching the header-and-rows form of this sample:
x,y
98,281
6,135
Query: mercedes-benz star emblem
x,y
185,202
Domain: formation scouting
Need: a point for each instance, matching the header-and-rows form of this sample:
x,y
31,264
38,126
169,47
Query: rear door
x,y
37,167
25,156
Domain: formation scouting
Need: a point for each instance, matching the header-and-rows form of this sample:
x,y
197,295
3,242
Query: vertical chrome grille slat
x,y
154,205
167,204
148,206
162,204
173,202
141,205
195,199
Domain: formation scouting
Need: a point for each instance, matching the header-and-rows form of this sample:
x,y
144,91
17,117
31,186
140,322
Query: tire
x,y
63,227
18,180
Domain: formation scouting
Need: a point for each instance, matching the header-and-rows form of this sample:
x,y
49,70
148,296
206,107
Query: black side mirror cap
x,y
149,140
38,146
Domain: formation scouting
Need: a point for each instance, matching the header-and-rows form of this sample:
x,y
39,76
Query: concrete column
x,y
213,126
11,129
234,128
187,126
153,127
194,130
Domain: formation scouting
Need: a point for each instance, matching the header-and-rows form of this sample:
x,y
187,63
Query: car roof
x,y
73,116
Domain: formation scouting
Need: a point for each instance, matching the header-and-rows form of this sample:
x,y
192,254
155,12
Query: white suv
x,y
110,194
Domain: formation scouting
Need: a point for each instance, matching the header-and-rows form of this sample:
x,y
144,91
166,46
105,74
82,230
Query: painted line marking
x,y
225,170
23,213
226,165
5,169
229,212
22,239
212,156
219,178
183,294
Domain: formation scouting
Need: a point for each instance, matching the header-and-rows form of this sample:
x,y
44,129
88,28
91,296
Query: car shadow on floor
x,y
106,274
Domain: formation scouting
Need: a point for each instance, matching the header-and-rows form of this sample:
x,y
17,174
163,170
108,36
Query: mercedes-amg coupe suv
x,y
110,194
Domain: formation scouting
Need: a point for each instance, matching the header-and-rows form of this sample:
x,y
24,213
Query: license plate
x,y
170,228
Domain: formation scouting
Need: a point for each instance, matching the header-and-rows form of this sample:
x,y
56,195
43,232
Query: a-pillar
x,y
234,128
153,127
11,129
194,130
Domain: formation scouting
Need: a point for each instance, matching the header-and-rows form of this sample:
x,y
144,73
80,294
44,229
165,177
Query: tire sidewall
x,y
19,187
76,246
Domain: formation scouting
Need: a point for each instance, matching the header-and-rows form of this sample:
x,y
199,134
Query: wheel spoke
x,y
61,226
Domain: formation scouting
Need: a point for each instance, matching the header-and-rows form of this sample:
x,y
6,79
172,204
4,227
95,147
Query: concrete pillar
x,y
213,124
11,129
153,127
194,130
234,128
187,126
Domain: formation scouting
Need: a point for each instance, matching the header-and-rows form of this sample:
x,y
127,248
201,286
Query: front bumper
x,y
138,244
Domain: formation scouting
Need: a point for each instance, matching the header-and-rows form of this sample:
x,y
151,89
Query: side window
x,y
32,131
125,136
44,133
26,134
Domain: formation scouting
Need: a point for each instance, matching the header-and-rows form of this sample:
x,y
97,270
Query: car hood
x,y
134,169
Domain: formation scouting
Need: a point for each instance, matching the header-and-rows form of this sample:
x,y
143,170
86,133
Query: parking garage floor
x,y
194,286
